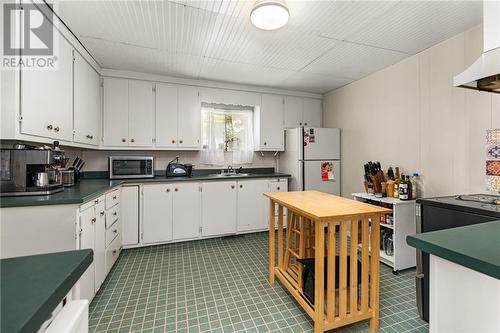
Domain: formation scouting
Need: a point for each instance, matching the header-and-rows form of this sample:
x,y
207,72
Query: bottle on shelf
x,y
414,190
404,188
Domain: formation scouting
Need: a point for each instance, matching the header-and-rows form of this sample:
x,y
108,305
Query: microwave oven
x,y
130,167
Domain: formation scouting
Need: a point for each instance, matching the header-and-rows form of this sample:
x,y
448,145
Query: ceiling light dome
x,y
269,14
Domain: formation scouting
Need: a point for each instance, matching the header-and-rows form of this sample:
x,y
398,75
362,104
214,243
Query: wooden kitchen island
x,y
352,285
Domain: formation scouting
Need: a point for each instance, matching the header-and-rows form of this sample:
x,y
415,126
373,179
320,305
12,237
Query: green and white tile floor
x,y
220,285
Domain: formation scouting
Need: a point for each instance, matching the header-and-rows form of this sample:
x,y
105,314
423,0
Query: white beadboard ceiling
x,y
325,45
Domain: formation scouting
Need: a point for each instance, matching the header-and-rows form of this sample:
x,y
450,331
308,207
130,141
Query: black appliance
x,y
179,170
444,213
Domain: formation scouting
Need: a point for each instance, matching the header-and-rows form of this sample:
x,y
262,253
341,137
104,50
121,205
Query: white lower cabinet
x,y
99,245
129,202
218,208
87,241
252,204
277,185
186,213
157,213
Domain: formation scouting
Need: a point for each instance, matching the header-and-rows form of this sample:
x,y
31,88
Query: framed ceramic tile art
x,y
493,159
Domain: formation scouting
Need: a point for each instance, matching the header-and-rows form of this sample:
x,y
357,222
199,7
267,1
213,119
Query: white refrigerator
x,y
312,157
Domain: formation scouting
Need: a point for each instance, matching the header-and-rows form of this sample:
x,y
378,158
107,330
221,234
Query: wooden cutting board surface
x,y
324,206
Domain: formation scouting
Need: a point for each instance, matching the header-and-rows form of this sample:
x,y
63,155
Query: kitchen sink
x,y
228,175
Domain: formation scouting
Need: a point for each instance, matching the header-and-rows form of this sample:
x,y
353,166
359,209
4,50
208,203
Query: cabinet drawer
x,y
112,233
112,215
112,198
112,253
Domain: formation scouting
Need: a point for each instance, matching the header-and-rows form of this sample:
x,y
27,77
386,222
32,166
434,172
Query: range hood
x,y
484,74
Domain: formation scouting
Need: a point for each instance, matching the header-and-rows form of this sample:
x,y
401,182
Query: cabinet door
x,y
87,284
87,102
186,211
271,122
140,113
293,111
189,117
252,212
157,213
313,112
129,201
166,115
218,208
276,185
115,132
99,244
47,98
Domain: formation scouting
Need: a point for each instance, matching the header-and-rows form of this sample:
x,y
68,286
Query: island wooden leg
x,y
319,274
375,273
280,236
271,242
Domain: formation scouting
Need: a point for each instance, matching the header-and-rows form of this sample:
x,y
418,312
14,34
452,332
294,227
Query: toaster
x,y
179,170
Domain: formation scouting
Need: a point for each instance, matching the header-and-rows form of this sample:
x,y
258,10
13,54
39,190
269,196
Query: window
x,y
226,128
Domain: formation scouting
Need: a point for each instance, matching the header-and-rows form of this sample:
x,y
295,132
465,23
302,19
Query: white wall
x,y
410,115
97,160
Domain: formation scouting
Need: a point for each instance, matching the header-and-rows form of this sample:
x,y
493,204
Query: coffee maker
x,y
30,172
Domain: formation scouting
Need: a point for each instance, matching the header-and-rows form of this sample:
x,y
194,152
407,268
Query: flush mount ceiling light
x,y
269,14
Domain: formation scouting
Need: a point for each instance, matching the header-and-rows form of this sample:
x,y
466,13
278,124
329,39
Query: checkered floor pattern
x,y
220,285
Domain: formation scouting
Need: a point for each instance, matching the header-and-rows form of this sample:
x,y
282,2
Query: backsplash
x,y
97,160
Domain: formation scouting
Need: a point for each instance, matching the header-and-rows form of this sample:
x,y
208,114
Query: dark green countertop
x,y
89,189
475,246
31,287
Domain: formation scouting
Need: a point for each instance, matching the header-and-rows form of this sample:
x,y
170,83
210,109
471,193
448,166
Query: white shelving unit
x,y
404,219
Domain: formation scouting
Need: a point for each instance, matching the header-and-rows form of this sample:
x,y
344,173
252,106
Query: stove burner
x,y
482,198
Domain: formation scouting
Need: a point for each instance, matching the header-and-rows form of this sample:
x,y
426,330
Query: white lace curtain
x,y
226,127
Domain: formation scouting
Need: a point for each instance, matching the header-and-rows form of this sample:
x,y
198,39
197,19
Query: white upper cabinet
x,y
87,102
140,113
302,112
293,111
47,98
128,113
186,211
115,112
157,213
166,115
268,121
313,112
189,117
218,212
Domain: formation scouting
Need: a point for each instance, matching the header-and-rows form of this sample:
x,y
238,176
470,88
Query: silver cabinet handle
x,y
56,129
49,127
